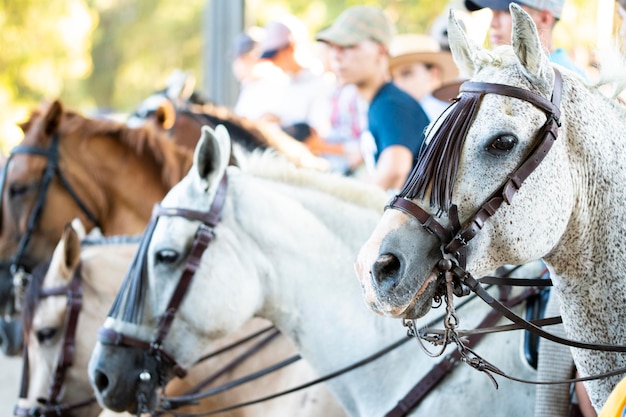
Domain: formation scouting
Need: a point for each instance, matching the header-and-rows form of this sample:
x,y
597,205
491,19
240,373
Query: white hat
x,y
409,48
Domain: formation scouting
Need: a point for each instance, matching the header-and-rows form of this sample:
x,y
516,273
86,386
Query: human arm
x,y
393,167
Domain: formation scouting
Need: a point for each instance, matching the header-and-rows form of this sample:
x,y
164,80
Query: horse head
x,y
457,207
140,348
68,166
52,306
25,228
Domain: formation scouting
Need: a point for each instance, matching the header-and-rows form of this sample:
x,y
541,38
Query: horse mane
x,y
244,131
272,166
145,141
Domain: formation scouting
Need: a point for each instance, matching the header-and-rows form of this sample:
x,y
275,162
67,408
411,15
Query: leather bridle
x,y
128,304
455,239
20,275
51,407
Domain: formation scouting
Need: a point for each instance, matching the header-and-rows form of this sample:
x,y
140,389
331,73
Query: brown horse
x,y
67,166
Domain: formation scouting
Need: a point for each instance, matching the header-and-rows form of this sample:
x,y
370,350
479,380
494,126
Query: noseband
x,y
128,304
454,240
21,277
51,407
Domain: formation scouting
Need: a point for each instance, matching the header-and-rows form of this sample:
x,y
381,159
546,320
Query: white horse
x,y
100,264
569,211
283,250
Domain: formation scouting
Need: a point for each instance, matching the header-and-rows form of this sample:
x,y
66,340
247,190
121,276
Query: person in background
x,y
419,67
300,105
348,121
359,54
257,79
545,14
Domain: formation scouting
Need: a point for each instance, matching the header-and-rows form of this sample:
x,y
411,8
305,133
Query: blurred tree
x,y
111,54
45,51
138,44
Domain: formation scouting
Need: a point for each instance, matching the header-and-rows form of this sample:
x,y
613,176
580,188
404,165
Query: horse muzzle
x,y
124,378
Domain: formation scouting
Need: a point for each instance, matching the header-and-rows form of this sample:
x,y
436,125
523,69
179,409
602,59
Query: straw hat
x,y
410,48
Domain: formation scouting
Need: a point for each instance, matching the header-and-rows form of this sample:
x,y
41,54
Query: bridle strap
x,y
475,286
458,245
204,236
51,406
548,135
66,360
429,381
52,169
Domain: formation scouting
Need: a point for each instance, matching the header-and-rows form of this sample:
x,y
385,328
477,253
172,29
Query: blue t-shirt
x,y
559,56
396,118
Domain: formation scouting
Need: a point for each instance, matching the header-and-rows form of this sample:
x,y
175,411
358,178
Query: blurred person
x,y
545,14
348,121
258,79
419,67
359,54
300,105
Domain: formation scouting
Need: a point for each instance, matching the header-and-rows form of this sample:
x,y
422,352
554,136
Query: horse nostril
x,y
101,381
386,269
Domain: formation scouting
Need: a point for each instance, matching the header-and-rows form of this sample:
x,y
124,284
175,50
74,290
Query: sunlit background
x,y
106,56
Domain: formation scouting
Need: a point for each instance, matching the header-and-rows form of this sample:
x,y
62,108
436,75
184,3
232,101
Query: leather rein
x,y
21,277
50,406
454,240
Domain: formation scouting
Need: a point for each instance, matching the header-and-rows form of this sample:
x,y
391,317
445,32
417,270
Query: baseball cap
x,y
247,41
277,37
553,6
359,23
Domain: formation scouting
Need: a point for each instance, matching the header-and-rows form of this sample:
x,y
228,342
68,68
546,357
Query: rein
x,y
408,403
50,406
20,276
454,240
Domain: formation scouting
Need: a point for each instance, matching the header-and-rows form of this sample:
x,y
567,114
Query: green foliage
x,y
45,48
138,44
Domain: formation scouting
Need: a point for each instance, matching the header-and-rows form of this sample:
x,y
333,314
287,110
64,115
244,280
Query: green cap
x,y
359,23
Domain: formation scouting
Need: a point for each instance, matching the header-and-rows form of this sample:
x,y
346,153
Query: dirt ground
x,y
11,374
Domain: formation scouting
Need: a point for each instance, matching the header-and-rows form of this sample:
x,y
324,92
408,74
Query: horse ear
x,y
165,115
52,118
71,244
212,155
528,49
464,50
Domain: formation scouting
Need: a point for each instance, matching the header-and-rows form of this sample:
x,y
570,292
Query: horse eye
x,y
17,190
46,335
501,145
166,256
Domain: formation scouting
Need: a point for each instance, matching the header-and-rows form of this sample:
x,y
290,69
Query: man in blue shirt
x,y
359,44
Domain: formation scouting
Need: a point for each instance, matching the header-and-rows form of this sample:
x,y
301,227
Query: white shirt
x,y
304,97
